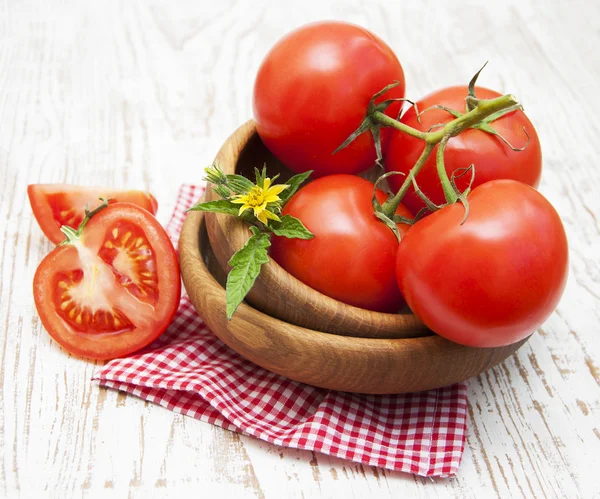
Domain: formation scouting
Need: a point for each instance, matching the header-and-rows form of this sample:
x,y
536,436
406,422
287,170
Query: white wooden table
x,y
141,94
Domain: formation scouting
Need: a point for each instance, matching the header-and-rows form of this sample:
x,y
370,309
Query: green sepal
x,y
471,100
261,175
239,184
214,174
222,191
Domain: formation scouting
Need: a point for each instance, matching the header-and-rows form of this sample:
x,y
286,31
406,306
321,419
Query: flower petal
x,y
262,216
243,209
240,200
276,190
266,184
259,209
271,215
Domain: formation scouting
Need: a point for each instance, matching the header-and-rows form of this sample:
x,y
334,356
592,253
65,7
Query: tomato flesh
x,y
131,258
69,288
114,289
55,205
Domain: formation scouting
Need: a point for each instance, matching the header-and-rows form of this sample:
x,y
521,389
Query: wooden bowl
x,y
276,292
363,365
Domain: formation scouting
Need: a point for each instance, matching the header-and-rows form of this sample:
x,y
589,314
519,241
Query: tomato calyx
x,y
369,124
72,234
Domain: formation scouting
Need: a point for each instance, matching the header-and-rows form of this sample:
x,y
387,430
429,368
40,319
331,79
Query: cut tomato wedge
x,y
112,287
55,205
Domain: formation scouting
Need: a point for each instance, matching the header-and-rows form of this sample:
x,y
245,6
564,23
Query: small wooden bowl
x,y
362,365
276,292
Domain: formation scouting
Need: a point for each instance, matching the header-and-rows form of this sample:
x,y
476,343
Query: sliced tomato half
x,y
112,287
55,205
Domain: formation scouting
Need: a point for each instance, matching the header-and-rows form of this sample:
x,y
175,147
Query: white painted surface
x,y
141,94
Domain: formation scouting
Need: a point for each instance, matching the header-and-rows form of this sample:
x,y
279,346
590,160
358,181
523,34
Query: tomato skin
x,y
352,256
492,158
310,94
48,200
146,321
493,280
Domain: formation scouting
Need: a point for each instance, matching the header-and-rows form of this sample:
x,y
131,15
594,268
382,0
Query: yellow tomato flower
x,y
258,198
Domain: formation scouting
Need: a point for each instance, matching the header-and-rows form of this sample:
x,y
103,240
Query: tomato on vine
x,y
491,156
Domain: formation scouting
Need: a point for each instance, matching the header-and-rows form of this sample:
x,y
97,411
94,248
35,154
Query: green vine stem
x,y
483,109
449,192
72,234
391,205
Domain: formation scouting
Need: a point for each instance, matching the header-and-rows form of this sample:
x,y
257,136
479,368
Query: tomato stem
x,y
385,120
483,109
72,234
449,192
391,205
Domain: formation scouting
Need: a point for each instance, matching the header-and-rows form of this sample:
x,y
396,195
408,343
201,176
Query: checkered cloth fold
x,y
190,371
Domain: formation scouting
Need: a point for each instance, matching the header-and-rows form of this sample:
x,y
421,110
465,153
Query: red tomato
x,y
493,280
312,91
353,254
492,158
114,289
55,205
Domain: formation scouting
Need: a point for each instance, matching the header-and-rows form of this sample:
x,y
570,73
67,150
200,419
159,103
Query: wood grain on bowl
x,y
276,292
363,365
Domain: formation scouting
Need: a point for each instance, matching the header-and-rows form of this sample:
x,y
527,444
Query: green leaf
x,y
291,228
219,206
246,264
239,184
294,184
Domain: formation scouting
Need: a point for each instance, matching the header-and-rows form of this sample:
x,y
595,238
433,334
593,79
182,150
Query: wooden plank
x,y
142,94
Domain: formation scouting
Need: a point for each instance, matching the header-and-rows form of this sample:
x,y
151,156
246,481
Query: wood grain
x,y
276,292
142,95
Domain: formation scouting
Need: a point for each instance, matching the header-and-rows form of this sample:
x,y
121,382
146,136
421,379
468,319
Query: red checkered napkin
x,y
190,371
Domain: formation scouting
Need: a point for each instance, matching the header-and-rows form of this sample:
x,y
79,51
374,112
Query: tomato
x,y
55,205
492,158
112,290
493,280
352,256
312,91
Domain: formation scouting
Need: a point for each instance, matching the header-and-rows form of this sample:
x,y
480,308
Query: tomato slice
x,y
55,205
111,289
